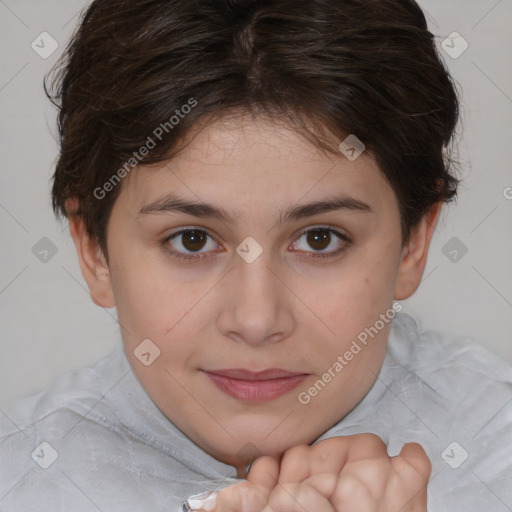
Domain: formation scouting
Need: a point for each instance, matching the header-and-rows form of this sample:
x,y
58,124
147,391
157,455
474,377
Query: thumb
x,y
264,472
250,495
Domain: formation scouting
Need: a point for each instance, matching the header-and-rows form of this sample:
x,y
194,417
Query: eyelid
x,y
327,227
187,229
337,232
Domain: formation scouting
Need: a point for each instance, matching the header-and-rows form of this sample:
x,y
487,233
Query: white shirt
x,y
94,440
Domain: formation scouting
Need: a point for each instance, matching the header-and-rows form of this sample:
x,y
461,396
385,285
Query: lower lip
x,y
256,390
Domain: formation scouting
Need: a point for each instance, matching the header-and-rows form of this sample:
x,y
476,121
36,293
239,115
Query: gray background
x,y
48,322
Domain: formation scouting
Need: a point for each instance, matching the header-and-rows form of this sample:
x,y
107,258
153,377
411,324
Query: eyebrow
x,y
172,204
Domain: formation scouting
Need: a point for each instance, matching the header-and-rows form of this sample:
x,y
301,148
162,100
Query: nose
x,y
256,307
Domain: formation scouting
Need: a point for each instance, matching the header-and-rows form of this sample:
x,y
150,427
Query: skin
x,y
335,475
284,310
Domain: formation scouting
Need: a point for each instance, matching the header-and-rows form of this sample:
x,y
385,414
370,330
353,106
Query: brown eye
x,y
319,239
189,244
192,244
193,240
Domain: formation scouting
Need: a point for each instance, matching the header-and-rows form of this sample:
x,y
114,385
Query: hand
x,y
252,494
351,473
339,474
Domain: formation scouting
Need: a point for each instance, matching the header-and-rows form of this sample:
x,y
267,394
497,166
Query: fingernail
x,y
203,501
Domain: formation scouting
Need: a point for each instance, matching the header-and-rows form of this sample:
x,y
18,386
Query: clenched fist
x,y
339,474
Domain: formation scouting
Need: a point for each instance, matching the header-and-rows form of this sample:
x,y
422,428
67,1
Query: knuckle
x,y
375,470
295,454
373,441
417,471
368,446
329,446
413,464
307,494
351,489
282,498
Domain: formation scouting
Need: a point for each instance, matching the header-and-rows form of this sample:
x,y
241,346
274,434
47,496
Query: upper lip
x,y
243,374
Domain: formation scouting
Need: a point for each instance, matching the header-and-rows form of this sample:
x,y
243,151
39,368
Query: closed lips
x,y
244,374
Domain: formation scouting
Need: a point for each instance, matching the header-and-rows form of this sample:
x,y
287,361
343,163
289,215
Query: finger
x,y
412,459
264,472
241,497
295,464
297,498
354,494
327,456
252,494
407,487
362,482
324,483
330,455
366,446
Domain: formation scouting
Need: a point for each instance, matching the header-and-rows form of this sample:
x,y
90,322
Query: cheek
x,y
156,305
351,303
144,299
357,294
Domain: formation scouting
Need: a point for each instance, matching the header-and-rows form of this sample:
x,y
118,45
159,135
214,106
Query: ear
x,y
414,254
92,261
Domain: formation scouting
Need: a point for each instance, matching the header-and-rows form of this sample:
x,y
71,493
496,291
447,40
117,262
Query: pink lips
x,y
255,386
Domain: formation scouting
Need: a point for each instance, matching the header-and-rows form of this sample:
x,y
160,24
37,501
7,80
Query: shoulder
x,y
456,379
74,391
55,424
427,351
459,395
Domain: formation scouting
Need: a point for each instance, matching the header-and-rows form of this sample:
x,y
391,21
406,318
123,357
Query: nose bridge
x,y
256,308
256,276
253,266
257,284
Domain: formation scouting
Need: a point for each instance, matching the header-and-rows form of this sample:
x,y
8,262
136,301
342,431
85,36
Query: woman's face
x,y
256,290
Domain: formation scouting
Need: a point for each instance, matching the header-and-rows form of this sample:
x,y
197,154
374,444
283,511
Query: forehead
x,y
249,165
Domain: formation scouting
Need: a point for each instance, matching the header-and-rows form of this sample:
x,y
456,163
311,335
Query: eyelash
x,y
188,258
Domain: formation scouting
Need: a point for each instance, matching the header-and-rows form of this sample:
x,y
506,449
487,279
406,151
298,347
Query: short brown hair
x,y
363,67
